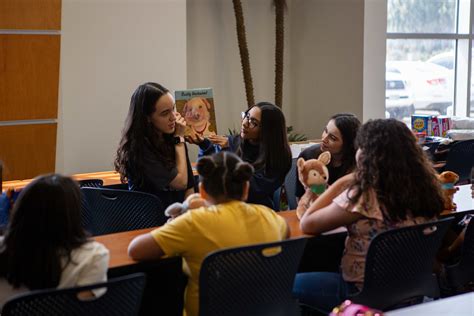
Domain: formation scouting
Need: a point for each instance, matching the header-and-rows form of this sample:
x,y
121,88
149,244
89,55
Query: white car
x,y
431,85
398,100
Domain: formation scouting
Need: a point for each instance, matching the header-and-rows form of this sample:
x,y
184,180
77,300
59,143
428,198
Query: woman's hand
x,y
222,141
180,125
195,139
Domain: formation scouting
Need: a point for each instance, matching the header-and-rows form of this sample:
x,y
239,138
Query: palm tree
x,y
244,51
280,6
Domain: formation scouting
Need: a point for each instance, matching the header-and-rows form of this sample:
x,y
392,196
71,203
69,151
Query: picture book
x,y
197,108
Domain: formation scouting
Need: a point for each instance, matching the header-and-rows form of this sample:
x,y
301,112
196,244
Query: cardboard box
x,y
422,123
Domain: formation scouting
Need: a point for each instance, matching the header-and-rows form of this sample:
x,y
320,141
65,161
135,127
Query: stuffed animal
x,y
314,175
448,179
193,201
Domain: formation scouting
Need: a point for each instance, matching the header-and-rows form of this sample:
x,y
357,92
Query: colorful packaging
x,y
444,123
422,123
434,126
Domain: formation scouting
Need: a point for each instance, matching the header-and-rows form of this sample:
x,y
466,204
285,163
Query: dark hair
x,y
275,153
348,124
395,167
223,175
138,132
44,228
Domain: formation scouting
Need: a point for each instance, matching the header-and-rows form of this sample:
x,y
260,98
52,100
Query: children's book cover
x,y
197,108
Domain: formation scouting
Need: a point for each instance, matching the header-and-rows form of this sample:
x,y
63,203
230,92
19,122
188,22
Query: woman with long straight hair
x,y
152,155
263,143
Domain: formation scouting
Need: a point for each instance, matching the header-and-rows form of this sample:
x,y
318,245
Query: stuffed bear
x,y
192,201
448,179
314,175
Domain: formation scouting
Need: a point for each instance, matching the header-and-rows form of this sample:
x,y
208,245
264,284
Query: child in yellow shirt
x,y
227,222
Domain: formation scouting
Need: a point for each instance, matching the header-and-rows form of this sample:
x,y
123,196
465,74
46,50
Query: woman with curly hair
x,y
152,154
393,186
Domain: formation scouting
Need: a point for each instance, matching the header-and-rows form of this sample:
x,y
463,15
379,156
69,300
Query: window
x,y
428,42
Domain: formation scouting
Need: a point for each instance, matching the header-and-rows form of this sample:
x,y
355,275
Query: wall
x,y
108,48
323,58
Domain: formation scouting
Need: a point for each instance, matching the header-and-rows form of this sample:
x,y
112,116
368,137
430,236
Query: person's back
x,y
226,221
201,231
45,245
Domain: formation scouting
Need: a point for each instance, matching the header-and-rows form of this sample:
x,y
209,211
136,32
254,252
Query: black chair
x,y
122,297
106,211
462,273
91,183
250,280
290,189
461,159
399,265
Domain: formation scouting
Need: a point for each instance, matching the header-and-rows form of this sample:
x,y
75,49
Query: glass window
x,y
421,16
427,64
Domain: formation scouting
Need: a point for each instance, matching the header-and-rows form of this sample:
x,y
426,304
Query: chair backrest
x,y
461,159
290,188
244,280
122,297
399,265
106,211
462,273
91,183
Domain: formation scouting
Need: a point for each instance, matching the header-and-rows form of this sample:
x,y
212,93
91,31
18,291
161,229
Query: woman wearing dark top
x,y
263,143
337,138
152,154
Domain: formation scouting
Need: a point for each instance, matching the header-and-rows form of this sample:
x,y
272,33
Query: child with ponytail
x,y
226,221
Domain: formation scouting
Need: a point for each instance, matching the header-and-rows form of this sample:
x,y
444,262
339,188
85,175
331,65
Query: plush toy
x,y
448,179
193,201
314,175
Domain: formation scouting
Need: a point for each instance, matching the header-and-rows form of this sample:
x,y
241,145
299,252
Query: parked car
x,y
431,85
398,100
447,60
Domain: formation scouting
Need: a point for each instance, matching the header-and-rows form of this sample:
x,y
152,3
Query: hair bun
x,y
206,166
243,171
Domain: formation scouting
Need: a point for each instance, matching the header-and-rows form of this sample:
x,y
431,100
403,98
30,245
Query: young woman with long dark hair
x,y
152,155
263,143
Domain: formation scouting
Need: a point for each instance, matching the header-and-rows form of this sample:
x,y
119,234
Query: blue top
x,y
262,185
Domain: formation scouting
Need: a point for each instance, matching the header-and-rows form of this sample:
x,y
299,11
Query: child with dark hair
x,y
45,245
227,221
394,185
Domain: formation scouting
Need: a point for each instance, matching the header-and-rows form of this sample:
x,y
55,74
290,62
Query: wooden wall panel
x,y
29,76
30,14
27,150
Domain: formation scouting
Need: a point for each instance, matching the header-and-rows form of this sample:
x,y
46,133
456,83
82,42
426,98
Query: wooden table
x,y
118,243
109,178
459,305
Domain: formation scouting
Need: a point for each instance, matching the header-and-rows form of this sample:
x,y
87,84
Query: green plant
x,y
233,131
293,136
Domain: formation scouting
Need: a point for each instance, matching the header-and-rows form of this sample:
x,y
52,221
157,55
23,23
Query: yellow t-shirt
x,y
198,232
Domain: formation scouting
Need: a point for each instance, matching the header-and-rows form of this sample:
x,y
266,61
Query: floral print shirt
x,y
361,232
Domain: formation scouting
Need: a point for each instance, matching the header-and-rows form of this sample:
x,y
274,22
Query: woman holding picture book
x,y
152,155
263,143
